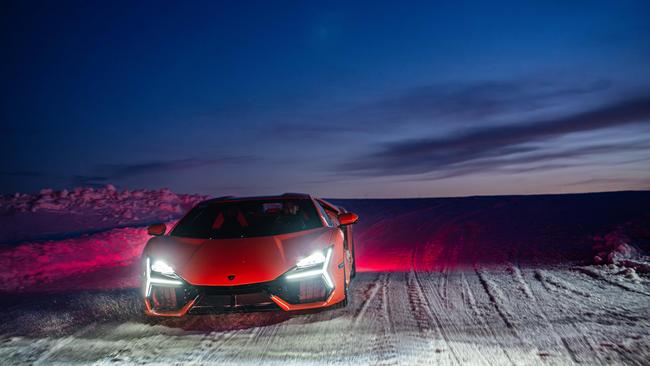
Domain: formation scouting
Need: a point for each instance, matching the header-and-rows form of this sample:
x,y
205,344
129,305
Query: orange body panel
x,y
251,260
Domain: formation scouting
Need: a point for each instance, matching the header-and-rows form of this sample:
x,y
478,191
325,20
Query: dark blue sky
x,y
340,100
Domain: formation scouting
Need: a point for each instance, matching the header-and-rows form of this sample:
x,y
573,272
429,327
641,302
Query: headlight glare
x,y
315,265
312,260
162,267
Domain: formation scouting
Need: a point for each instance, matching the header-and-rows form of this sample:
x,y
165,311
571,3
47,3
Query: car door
x,y
333,214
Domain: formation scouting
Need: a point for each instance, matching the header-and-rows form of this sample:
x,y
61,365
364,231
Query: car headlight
x,y
159,273
312,260
315,264
163,268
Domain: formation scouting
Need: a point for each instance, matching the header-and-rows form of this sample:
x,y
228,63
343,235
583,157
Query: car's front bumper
x,y
282,294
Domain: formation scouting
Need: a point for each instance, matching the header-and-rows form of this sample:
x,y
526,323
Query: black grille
x,y
171,298
253,297
303,291
233,290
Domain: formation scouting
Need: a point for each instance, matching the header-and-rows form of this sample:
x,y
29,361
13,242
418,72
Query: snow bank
x,y
90,223
626,244
613,248
125,203
50,213
617,258
37,266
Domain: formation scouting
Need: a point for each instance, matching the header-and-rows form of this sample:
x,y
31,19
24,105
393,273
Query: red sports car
x,y
290,252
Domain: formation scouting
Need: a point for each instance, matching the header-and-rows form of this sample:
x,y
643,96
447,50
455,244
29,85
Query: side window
x,y
325,215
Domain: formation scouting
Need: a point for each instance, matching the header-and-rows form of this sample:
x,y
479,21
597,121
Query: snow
x,y
613,248
38,266
477,281
51,214
397,317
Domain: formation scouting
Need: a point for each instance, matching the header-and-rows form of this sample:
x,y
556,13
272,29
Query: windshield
x,y
240,219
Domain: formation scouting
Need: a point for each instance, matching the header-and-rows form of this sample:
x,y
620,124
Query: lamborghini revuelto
x,y
289,252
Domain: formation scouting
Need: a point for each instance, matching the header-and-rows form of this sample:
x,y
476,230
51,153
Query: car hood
x,y
240,261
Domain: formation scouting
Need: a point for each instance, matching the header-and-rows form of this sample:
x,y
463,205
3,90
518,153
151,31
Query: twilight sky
x,y
340,100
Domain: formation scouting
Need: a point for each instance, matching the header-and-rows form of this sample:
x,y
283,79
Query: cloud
x,y
22,173
479,99
539,160
438,104
643,183
117,171
484,148
90,180
109,173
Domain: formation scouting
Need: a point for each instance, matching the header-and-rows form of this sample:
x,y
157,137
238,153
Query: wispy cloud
x,y
483,148
440,104
162,166
112,172
535,159
22,173
471,100
90,180
623,182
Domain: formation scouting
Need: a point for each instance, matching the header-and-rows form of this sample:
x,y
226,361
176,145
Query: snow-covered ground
x,y
490,280
56,214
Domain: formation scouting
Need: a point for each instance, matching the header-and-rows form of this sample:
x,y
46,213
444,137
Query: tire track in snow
x,y
618,310
519,279
598,276
421,308
445,295
266,336
212,344
453,319
415,347
548,279
208,344
371,292
423,314
612,311
516,271
496,297
60,344
439,295
480,316
382,344
417,305
584,343
376,303
500,299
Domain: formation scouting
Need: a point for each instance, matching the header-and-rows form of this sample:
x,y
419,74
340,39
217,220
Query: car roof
x,y
288,195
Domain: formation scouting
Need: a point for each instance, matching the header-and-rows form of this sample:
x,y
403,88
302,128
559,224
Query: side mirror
x,y
157,229
348,218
